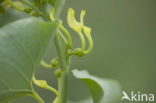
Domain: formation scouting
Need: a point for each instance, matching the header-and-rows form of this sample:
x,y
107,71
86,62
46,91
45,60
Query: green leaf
x,y
102,90
22,45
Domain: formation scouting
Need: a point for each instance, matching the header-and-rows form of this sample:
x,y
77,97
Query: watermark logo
x,y
138,97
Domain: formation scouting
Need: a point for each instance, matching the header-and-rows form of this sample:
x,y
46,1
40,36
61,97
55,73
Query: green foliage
x,y
102,90
22,45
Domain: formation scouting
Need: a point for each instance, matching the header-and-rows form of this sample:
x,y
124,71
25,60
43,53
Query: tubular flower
x,y
79,27
75,25
86,29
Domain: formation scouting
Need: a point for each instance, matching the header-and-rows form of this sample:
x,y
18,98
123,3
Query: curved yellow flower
x,y
75,25
72,22
79,27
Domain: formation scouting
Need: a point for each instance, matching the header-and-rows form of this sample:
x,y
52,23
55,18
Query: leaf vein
x,y
17,68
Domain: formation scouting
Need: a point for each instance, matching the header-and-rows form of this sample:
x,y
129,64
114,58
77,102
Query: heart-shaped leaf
x,y
102,90
22,45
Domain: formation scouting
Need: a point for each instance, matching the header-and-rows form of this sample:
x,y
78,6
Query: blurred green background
x,y
124,33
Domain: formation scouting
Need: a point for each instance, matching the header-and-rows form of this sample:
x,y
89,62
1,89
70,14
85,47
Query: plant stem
x,y
82,41
62,37
37,97
61,55
45,17
68,36
46,65
63,91
64,68
52,89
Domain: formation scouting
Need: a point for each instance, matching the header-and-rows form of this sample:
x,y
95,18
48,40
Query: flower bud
x,y
58,73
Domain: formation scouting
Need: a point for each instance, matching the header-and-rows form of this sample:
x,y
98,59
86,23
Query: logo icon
x,y
138,96
125,96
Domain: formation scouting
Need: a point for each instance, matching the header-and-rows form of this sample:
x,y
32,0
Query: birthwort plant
x,y
23,44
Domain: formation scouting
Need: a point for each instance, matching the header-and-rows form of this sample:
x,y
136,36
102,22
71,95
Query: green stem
x,y
46,65
90,40
60,52
61,55
62,37
64,67
59,89
45,17
63,91
37,97
52,89
67,35
82,41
